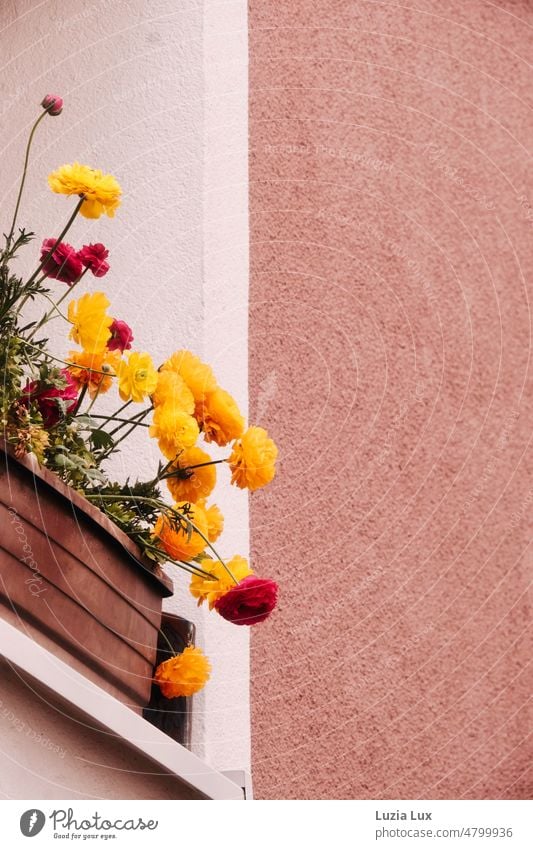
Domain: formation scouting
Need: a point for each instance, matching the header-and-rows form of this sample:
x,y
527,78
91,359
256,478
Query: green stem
x,y
125,421
22,182
61,236
172,510
112,417
167,641
126,434
81,396
46,316
176,472
57,360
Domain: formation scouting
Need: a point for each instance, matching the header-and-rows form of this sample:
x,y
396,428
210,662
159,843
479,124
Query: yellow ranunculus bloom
x,y
205,589
219,417
137,377
174,429
179,544
253,459
101,191
197,375
172,388
184,674
90,322
82,367
196,483
215,521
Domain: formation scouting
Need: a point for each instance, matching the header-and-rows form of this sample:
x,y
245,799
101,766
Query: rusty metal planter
x,y
71,580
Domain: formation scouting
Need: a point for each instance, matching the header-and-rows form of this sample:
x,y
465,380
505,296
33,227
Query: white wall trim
x,y
60,680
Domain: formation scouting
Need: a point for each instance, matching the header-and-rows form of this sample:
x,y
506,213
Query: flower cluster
x,y
49,406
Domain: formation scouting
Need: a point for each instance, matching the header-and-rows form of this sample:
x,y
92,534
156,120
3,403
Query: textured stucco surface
x,y
150,91
390,324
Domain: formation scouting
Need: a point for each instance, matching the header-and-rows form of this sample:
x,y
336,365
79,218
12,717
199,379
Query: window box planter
x,y
74,583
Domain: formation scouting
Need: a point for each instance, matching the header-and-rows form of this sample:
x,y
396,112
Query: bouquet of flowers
x,y
49,407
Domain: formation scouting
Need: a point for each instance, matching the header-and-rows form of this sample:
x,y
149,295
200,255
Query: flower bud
x,y
53,104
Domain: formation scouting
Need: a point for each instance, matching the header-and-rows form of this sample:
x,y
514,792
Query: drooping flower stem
x,y
115,419
167,641
135,424
113,416
46,317
57,359
22,182
171,511
196,466
61,236
81,396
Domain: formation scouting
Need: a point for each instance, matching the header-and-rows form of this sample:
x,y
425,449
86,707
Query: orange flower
x,y
191,484
86,369
206,589
173,428
197,375
172,388
184,674
219,417
253,459
180,543
215,520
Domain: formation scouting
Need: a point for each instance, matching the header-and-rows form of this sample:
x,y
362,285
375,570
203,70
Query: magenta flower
x,y
121,336
94,257
53,104
251,601
63,263
52,402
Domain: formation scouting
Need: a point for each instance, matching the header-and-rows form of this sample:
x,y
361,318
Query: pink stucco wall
x,y
390,320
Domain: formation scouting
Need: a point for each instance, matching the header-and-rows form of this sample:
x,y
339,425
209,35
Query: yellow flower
x,y
193,484
179,542
197,375
184,674
253,459
137,377
171,387
219,417
215,521
90,323
174,429
38,441
82,367
101,191
208,590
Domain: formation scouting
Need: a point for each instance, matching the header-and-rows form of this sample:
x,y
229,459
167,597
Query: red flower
x,y
94,257
249,602
121,336
47,398
53,104
63,263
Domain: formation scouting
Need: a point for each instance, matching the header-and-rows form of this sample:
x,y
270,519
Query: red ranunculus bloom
x,y
47,398
249,602
63,264
94,257
121,336
53,104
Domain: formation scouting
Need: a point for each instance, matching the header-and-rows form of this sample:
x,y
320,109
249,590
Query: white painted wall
x,y
155,93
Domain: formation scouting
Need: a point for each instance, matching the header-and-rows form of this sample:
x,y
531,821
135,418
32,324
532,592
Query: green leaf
x,y
101,439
